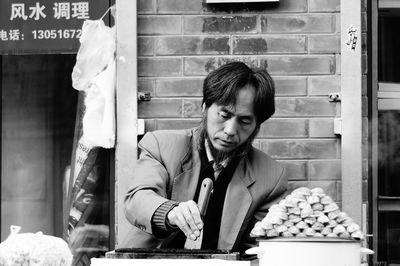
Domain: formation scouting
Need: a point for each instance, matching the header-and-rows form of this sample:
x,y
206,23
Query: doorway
x,y
38,119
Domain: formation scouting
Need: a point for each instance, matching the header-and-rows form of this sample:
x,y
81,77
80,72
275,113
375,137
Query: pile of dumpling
x,y
307,213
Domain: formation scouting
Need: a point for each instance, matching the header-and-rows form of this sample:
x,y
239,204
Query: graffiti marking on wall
x,y
352,38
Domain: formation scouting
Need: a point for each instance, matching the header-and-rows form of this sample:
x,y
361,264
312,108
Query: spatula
x,y
202,203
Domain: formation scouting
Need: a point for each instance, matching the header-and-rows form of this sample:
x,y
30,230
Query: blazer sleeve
x,y
148,186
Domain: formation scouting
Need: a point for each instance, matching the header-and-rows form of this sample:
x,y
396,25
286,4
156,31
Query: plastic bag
x,y
95,74
96,49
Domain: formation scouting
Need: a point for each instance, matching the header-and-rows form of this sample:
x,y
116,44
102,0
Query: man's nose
x,y
231,127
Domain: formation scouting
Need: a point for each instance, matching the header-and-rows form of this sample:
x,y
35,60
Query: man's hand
x,y
187,217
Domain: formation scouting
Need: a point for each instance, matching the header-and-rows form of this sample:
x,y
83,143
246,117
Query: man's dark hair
x,y
223,85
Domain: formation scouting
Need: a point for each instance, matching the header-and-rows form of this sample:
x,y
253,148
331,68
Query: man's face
x,y
230,126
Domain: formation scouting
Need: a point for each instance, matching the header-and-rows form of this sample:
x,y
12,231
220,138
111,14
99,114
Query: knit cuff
x,y
160,225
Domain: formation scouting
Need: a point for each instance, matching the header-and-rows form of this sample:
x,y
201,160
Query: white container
x,y
311,251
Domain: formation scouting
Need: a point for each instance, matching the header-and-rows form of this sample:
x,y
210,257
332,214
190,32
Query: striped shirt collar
x,y
218,167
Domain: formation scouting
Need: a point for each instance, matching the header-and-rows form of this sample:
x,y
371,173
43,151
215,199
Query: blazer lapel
x,y
237,200
185,184
237,203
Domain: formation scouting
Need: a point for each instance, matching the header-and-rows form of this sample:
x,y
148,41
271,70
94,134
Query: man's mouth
x,y
226,142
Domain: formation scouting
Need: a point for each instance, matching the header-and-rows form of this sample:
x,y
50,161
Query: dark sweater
x,y
212,218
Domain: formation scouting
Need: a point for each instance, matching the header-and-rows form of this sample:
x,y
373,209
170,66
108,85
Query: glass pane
x,y
389,153
388,234
389,238
40,129
388,43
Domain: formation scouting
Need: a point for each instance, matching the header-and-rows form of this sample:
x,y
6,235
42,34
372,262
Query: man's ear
x,y
203,107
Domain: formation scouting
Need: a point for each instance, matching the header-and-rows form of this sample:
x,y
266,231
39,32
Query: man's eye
x,y
246,121
224,115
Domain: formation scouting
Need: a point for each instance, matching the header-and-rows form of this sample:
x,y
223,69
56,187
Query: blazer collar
x,y
192,156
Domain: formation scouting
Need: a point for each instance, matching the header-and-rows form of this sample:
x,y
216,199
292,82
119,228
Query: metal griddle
x,y
144,253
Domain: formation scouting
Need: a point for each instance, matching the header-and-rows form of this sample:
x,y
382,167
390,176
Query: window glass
x,y
39,174
388,234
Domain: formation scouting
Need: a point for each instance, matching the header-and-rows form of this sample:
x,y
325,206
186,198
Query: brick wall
x,y
298,41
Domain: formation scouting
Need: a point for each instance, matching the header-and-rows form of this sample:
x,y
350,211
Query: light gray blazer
x,y
169,168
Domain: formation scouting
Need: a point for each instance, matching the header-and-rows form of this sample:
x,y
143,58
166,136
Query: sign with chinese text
x,y
45,26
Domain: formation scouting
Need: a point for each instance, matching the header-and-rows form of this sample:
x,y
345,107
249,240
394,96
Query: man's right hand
x,y
187,217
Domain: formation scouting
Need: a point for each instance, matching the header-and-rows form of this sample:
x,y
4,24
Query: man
x,y
161,202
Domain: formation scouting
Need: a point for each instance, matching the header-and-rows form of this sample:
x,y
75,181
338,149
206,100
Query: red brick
x,y
160,108
149,125
256,143
188,45
176,123
250,45
163,25
364,22
220,24
364,42
323,5
364,105
301,148
192,107
203,65
149,67
324,170
145,6
288,86
338,23
364,84
338,64
146,85
365,169
364,137
323,85
145,45
301,23
364,5
365,191
283,128
324,44
330,188
296,170
262,44
294,107
179,87
364,128
321,128
289,65
364,64
179,6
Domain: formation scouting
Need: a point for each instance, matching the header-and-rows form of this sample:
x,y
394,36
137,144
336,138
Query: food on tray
x,y
35,249
307,213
